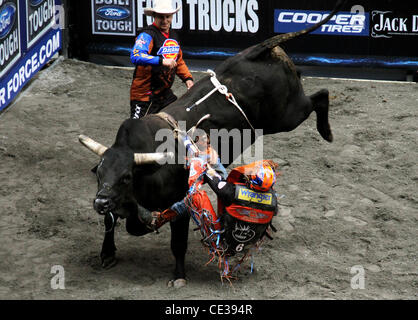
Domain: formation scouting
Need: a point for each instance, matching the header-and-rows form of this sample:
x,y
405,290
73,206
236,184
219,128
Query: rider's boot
x,y
161,218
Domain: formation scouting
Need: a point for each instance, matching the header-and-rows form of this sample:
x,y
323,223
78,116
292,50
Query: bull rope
x,y
113,223
223,90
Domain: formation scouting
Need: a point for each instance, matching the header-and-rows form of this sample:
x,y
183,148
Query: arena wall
x,y
30,35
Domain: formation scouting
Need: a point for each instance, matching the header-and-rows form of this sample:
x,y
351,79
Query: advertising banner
x,y
40,15
30,36
342,24
113,17
381,30
210,15
10,45
387,24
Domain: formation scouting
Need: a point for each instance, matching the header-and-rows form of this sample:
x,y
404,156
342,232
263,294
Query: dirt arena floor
x,y
350,203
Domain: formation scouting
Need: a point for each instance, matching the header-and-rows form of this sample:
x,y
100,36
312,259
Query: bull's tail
x,y
276,40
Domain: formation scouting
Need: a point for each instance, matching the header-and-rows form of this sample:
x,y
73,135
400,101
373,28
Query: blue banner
x,y
30,35
344,23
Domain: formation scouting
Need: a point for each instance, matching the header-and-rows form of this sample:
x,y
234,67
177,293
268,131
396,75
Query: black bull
x,y
266,85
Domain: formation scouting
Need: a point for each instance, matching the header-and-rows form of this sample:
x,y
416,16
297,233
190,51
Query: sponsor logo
x,y
386,24
146,56
344,23
34,3
252,196
252,214
141,41
40,19
24,69
210,15
243,233
113,17
170,49
7,19
113,13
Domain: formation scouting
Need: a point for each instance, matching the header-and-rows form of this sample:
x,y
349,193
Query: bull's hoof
x,y
177,284
109,262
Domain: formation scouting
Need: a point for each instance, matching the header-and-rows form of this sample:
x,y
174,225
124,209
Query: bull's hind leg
x,y
179,238
320,102
108,248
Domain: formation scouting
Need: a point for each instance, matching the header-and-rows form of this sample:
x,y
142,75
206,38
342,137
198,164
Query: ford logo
x,y
7,19
34,3
113,13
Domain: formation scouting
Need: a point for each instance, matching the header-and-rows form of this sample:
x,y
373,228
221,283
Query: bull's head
x,y
115,175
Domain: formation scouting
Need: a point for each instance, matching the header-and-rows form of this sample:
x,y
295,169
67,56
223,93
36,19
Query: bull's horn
x,y
147,158
92,145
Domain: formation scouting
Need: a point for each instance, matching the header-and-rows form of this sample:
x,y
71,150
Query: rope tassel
x,y
222,90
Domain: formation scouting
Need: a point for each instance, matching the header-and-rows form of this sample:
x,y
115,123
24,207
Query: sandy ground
x,y
349,203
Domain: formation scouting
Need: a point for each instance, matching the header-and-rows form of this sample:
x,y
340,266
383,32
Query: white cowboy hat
x,y
161,7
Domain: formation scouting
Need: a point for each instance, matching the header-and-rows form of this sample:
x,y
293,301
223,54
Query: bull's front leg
x,y
108,254
179,238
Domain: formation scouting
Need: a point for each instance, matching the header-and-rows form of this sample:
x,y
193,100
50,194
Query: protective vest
x,y
150,76
252,206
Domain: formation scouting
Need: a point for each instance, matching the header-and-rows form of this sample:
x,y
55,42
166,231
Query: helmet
x,y
263,178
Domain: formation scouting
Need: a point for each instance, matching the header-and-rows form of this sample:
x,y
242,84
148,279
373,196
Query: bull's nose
x,y
102,205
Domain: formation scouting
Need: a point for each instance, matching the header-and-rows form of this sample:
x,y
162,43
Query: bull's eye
x,y
126,179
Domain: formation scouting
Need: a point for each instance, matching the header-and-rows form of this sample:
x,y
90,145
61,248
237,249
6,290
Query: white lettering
x,y
48,48
203,14
21,75
358,20
178,17
35,63
2,95
414,23
106,25
41,16
314,18
253,24
9,47
379,26
343,22
216,15
28,70
228,7
9,88
343,18
56,41
42,56
16,82
192,5
402,24
241,8
231,15
115,2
